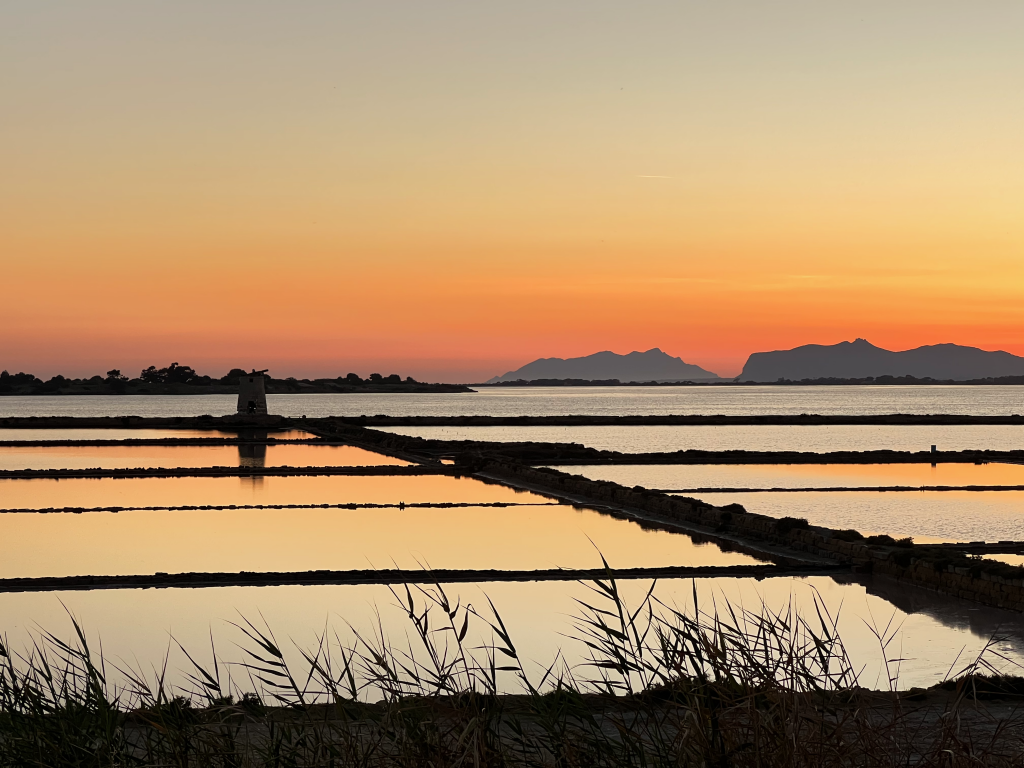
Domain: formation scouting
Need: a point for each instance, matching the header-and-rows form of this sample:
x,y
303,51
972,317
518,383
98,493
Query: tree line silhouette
x,y
181,379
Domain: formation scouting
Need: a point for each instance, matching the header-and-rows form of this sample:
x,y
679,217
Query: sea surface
x,y
558,401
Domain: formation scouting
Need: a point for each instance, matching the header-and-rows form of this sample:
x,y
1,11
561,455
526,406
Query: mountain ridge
x,y
652,365
861,359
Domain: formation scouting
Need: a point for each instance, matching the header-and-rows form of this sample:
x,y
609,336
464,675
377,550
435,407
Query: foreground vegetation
x,y
662,687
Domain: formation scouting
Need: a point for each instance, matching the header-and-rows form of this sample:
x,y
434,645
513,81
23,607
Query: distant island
x,y
178,379
857,361
885,381
847,363
650,366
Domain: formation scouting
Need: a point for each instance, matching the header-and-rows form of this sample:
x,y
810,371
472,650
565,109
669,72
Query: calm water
x,y
120,456
924,515
221,491
143,542
818,439
676,476
932,631
137,434
541,401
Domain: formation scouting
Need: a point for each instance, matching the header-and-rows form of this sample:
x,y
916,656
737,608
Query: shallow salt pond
x,y
1008,559
927,516
817,439
141,434
689,476
220,491
131,457
931,631
509,538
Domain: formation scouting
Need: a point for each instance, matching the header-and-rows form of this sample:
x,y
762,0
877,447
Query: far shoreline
x,y
881,381
446,389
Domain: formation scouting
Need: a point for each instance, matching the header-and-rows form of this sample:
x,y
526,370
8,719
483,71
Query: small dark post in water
x,y
252,395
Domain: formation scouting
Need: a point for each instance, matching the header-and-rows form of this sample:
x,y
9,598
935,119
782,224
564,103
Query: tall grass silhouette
x,y
712,685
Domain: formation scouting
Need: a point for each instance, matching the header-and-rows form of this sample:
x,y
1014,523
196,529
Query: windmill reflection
x,y
252,453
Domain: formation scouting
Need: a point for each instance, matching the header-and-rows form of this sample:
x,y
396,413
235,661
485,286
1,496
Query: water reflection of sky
x,y
677,476
245,455
506,538
932,630
142,434
818,439
218,491
924,515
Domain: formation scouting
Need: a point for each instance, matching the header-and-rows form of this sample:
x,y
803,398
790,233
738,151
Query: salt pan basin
x,y
676,476
131,457
261,540
932,634
816,439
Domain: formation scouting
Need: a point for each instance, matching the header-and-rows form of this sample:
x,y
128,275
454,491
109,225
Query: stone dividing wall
x,y
957,576
951,573
568,454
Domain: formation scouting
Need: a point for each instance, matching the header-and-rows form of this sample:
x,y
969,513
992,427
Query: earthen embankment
x,y
396,576
941,568
583,420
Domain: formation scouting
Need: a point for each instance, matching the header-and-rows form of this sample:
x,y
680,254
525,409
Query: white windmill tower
x,y
252,393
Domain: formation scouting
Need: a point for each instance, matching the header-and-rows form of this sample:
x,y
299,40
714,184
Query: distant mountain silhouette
x,y
861,359
652,365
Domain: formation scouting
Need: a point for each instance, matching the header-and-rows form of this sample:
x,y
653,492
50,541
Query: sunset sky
x,y
449,190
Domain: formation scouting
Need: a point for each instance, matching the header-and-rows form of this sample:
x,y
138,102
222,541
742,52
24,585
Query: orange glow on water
x,y
310,539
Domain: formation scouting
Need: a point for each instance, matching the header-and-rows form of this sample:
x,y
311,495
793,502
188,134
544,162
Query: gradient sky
x,y
451,189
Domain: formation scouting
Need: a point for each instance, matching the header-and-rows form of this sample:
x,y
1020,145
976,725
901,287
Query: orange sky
x,y
450,190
